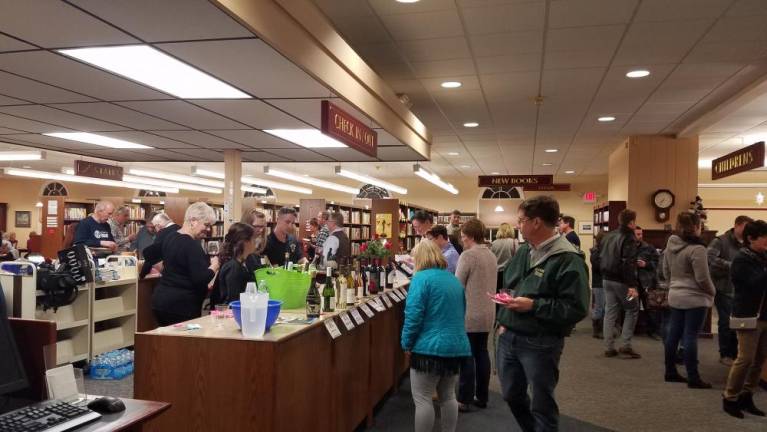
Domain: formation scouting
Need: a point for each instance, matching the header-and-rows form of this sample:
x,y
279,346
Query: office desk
x,y
295,378
136,414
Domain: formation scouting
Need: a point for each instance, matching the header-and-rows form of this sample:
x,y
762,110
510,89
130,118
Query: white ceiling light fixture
x,y
68,170
759,198
171,184
498,208
408,1
433,179
606,119
470,124
372,180
453,153
570,172
88,180
176,177
99,140
451,84
638,73
546,164
254,181
309,180
156,69
309,138
22,155
551,150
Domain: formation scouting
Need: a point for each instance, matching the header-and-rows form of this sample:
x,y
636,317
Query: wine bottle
x,y
313,299
287,258
351,293
359,286
328,293
365,273
373,278
391,274
341,287
381,275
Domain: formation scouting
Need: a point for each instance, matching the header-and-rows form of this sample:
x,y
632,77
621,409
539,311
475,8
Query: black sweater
x,y
153,253
185,277
749,276
91,233
231,281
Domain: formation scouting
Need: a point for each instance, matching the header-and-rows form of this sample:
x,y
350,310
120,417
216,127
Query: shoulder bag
x,y
746,323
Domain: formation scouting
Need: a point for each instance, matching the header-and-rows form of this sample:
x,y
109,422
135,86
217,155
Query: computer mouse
x,y
107,405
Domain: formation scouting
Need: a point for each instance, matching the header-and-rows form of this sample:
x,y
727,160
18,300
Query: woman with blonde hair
x,y
504,247
434,336
256,219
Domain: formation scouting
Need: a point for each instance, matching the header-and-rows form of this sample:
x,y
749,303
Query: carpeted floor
x,y
594,394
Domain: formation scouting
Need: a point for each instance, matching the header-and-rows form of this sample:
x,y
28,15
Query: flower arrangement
x,y
376,248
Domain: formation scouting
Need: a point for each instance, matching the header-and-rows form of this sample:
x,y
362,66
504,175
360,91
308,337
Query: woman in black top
x,y
239,244
187,270
257,220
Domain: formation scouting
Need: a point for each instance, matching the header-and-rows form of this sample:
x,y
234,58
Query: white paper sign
x,y
61,382
401,294
388,302
403,291
357,316
53,207
332,328
394,296
365,308
347,321
379,305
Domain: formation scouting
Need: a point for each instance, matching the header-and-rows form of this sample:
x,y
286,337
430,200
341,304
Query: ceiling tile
x,y
254,113
747,8
303,155
6,131
149,139
513,63
578,13
254,139
10,44
443,68
504,18
60,118
167,20
18,123
201,139
12,85
52,141
507,44
388,7
576,59
261,157
428,25
5,100
436,49
54,24
596,38
679,10
738,29
119,115
239,62
204,154
743,51
659,42
63,72
362,29
184,113
346,155
402,153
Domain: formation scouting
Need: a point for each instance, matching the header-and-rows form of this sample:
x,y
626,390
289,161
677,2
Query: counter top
x,y
281,330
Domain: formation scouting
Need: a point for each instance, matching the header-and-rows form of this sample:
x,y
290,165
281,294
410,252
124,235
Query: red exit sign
x,y
590,197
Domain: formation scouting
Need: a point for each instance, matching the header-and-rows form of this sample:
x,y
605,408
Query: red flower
x,y
363,247
388,246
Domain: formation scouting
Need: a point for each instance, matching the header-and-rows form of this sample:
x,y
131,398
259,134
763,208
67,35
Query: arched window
x,y
501,193
150,193
55,189
372,192
268,195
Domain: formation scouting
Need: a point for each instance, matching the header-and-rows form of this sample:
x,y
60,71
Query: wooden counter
x,y
294,378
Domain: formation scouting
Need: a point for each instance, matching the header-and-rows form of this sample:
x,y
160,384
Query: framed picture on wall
x,y
23,219
585,227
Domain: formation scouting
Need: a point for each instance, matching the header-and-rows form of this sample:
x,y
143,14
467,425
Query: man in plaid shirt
x,y
322,218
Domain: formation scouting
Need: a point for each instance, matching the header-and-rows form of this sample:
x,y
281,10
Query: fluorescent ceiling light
x,y
451,84
310,181
569,172
465,166
408,1
498,208
83,179
156,69
453,153
551,150
494,173
309,138
98,140
546,164
156,182
434,179
372,180
732,185
21,155
605,119
68,170
254,181
176,177
471,124
639,73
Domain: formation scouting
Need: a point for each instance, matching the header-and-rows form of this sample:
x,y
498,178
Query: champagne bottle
x,y
341,287
328,293
313,299
359,286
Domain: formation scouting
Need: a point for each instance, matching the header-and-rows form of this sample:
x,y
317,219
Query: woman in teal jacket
x,y
434,337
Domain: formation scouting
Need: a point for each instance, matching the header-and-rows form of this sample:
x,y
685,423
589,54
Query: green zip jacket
x,y
558,285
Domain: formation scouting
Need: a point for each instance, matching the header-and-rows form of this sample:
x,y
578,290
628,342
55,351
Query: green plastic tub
x,y
288,286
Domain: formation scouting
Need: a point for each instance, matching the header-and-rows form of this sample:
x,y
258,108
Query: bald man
x,y
94,231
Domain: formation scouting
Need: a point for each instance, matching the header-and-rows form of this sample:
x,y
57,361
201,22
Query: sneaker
x,y
675,378
611,353
698,384
628,352
727,361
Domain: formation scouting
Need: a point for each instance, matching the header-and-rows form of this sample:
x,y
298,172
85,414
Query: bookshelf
x,y
408,238
606,215
444,218
357,219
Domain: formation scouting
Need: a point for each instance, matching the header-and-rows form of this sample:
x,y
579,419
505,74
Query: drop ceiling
x,y
575,54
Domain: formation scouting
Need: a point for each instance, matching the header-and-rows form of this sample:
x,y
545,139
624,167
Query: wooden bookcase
x,y
606,215
357,220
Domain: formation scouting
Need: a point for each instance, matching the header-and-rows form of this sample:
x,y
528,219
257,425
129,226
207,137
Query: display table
x,y
297,377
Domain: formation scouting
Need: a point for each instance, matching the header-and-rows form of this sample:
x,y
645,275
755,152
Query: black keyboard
x,y
48,416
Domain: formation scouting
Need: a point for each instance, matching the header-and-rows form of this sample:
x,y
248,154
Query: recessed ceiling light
x,y
98,140
605,119
471,124
494,173
569,172
551,150
451,84
639,73
465,166
408,1
309,138
156,69
547,164
453,153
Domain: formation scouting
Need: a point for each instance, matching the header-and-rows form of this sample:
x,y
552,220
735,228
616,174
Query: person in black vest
x,y
337,242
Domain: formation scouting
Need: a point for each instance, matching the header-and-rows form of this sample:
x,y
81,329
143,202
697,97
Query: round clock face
x,y
663,199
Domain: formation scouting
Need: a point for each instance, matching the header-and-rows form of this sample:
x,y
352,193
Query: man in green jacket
x,y
549,279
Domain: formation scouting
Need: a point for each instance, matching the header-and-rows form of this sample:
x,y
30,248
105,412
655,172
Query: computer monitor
x,y
12,375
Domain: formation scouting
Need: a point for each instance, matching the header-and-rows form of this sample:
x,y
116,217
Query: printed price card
x,y
365,308
357,316
394,296
332,328
347,321
387,300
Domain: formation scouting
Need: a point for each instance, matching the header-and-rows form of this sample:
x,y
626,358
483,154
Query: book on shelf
x,y
136,212
75,213
365,218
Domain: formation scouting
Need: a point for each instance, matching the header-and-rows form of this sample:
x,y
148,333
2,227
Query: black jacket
x,y
185,277
618,257
596,274
153,252
749,277
647,275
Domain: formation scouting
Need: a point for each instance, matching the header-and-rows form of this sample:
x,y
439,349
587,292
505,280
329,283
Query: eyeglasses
x,y
522,220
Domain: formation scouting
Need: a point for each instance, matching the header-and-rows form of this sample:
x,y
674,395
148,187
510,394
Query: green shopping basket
x,y
288,286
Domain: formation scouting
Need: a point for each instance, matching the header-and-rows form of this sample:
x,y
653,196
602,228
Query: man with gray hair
x,y
145,236
94,231
117,226
337,244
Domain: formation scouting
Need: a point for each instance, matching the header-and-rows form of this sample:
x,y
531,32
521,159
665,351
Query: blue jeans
x,y
599,303
685,324
530,361
728,340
